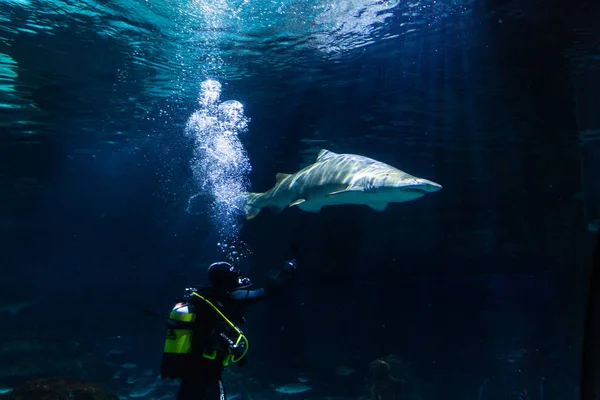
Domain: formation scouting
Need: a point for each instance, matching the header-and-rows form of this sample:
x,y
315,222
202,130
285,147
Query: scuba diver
x,y
203,334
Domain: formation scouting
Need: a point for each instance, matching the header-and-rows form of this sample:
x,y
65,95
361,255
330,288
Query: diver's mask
x,y
242,281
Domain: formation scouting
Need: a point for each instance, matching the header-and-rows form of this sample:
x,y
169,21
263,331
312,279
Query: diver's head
x,y
223,275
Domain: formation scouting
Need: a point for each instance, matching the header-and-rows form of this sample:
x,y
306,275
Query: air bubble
x,y
220,166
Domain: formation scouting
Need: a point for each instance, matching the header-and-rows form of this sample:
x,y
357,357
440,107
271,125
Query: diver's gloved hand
x,y
289,267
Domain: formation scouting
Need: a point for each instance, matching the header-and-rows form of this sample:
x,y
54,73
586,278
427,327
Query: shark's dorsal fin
x,y
325,154
281,176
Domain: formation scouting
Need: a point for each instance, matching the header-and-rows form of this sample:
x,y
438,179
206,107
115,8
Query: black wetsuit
x,y
200,376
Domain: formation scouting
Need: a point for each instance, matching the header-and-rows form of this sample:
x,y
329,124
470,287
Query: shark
x,y
336,179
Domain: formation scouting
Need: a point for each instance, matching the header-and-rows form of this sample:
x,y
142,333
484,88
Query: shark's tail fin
x,y
251,208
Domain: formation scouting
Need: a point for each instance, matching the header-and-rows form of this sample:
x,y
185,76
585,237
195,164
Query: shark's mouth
x,y
417,190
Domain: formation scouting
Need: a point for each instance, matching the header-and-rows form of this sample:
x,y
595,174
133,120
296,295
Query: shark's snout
x,y
431,186
423,186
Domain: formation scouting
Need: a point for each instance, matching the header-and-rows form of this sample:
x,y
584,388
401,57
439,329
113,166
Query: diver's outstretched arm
x,y
248,297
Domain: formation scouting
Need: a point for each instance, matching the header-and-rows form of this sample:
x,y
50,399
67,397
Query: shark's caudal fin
x,y
250,208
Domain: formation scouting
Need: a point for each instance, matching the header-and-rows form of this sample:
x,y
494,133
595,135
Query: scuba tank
x,y
181,330
178,342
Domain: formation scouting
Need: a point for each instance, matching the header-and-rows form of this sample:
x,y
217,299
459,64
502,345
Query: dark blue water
x,y
478,289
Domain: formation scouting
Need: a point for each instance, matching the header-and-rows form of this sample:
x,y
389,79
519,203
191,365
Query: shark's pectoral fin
x,y
378,206
345,191
296,202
